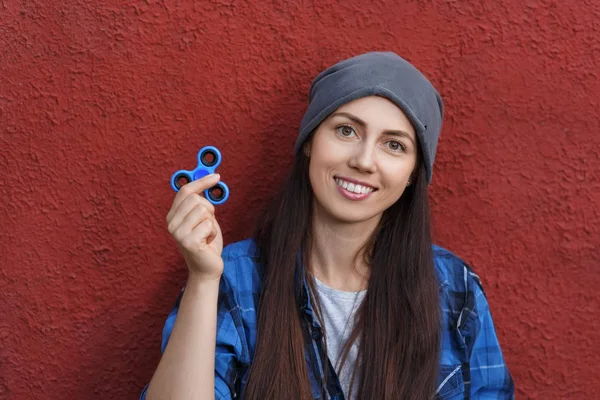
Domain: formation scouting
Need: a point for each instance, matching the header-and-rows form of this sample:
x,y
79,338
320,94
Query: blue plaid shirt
x,y
471,361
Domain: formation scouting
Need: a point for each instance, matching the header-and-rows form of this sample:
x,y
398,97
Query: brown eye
x,y
345,130
395,146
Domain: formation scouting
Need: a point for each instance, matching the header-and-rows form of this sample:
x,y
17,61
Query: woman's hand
x,y
191,221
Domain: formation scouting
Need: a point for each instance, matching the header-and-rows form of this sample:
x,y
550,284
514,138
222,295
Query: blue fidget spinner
x,y
209,158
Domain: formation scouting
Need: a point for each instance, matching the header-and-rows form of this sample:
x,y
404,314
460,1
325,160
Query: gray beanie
x,y
383,74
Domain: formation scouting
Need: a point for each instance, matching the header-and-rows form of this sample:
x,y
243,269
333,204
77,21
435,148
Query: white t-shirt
x,y
338,309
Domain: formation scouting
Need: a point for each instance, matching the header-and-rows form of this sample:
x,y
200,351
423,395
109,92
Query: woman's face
x,y
368,142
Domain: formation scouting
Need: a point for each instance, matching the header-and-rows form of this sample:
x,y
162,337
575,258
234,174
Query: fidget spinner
x,y
209,158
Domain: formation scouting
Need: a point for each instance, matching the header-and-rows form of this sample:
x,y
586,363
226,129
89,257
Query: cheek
x,y
395,179
324,160
318,172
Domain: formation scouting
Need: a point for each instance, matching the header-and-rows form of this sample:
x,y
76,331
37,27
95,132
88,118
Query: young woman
x,y
341,293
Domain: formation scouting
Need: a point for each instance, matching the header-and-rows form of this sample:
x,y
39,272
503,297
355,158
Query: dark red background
x,y
101,101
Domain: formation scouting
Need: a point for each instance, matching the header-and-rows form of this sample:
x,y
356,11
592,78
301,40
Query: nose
x,y
363,158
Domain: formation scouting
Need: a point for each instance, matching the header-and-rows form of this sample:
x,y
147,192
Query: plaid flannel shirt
x,y
471,361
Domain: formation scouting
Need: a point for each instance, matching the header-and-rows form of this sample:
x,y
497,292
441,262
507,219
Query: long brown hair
x,y
398,321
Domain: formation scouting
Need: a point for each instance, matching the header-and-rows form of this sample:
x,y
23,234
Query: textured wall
x,y
100,101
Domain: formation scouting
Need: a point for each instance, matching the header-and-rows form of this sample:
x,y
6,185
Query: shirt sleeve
x,y
490,378
227,351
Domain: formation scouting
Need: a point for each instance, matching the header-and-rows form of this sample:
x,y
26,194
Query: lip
x,y
355,181
350,195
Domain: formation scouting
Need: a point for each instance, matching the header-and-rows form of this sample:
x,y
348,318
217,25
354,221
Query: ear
x,y
411,179
414,173
307,147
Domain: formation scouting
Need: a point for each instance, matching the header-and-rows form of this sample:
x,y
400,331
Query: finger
x,y
196,216
197,186
196,238
213,234
191,202
194,187
175,217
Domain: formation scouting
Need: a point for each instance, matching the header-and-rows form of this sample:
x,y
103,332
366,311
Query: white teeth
x,y
351,187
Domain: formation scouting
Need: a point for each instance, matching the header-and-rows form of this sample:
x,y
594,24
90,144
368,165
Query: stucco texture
x,y
101,101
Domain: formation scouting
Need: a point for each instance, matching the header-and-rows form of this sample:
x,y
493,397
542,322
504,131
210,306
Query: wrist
x,y
202,282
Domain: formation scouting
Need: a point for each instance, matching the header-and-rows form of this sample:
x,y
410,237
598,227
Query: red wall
x,y
101,101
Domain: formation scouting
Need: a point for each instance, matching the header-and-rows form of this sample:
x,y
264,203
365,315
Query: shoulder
x,y
468,336
242,271
461,292
243,249
453,272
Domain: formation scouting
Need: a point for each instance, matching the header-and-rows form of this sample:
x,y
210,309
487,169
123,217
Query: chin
x,y
352,216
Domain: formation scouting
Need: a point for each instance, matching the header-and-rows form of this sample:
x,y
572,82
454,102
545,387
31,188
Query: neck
x,y
338,249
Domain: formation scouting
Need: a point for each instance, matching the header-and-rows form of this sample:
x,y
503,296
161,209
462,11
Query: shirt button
x,y
316,334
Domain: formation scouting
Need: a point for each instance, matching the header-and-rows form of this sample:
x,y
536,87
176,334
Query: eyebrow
x,y
364,125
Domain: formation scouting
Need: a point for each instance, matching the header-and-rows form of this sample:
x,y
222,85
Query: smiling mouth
x,y
354,187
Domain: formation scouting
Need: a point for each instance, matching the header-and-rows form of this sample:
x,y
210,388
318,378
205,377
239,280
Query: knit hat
x,y
383,74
